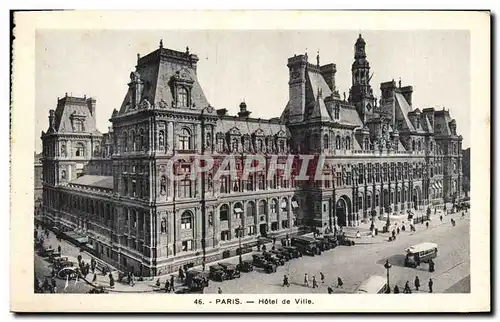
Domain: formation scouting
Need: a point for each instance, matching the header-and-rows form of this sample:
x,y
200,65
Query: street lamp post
x,y
388,266
239,243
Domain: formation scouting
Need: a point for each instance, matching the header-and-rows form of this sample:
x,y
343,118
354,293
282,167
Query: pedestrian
x,y
167,286
322,277
158,283
203,265
111,282
417,283
53,281
330,290
94,278
219,290
441,218
172,287
396,289
431,266
397,230
315,283
339,282
403,228
306,280
463,214
45,284
285,281
407,289
427,224
430,285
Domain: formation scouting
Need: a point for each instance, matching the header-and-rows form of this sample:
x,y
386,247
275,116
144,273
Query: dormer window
x,y
182,97
337,111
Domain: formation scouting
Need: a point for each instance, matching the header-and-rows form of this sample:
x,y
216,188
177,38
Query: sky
x,y
251,66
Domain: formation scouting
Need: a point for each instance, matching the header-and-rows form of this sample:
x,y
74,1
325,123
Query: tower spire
x,y
317,58
161,43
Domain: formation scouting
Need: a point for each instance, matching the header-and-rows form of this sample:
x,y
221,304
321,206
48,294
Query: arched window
x,y
184,139
348,143
250,209
132,140
282,146
224,212
182,97
325,141
413,145
274,206
262,207
367,144
419,145
338,142
186,220
141,139
260,145
80,150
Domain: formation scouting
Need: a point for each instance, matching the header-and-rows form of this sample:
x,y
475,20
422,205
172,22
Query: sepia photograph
x,y
250,162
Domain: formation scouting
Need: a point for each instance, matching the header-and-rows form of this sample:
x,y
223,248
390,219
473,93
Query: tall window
x,y
348,143
185,188
234,144
184,140
262,182
377,172
369,173
325,142
141,139
262,207
182,97
274,206
79,126
186,220
338,142
361,172
224,212
80,150
337,112
220,144
187,245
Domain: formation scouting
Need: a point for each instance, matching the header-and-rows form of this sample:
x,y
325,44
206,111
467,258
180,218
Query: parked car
x,y
323,244
260,261
217,273
195,281
46,251
273,258
294,251
332,240
245,266
230,270
343,240
281,253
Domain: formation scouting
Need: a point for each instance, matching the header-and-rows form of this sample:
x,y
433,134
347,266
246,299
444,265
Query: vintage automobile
x,y
282,254
245,266
332,239
323,244
67,272
294,251
273,258
231,271
46,251
195,281
98,290
217,273
260,261
343,240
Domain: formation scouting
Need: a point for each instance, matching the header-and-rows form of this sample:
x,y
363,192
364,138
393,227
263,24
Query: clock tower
x,y
361,93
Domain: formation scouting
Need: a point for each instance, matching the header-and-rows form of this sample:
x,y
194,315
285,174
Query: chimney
x,y
222,112
328,72
243,110
407,92
297,88
51,118
91,105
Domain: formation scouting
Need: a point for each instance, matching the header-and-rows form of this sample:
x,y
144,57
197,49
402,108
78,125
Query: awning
x,y
435,185
440,185
295,204
238,210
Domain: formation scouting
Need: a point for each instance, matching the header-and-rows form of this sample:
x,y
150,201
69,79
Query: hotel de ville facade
x,y
386,156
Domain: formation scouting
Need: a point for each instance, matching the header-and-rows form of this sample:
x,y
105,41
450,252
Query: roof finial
x,y
187,50
138,56
306,52
344,96
399,82
317,58
161,43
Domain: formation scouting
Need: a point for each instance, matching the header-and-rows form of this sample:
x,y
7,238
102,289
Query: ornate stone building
x,y
384,156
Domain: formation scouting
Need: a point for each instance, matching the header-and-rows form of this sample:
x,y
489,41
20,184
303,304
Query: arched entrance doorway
x,y
343,211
